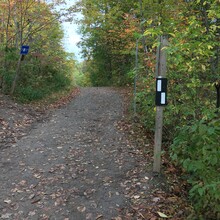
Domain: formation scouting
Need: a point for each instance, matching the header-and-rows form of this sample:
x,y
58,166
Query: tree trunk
x,y
144,43
16,75
217,86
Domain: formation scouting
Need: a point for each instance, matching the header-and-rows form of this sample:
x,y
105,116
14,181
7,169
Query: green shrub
x,y
145,100
8,77
38,85
196,149
82,79
28,94
59,81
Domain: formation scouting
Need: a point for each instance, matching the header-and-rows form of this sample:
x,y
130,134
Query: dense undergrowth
x,y
38,82
192,118
196,149
193,136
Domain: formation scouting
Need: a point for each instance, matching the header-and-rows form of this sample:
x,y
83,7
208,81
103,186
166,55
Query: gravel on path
x,y
76,165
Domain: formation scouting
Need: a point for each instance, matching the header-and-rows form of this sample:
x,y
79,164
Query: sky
x,y
71,37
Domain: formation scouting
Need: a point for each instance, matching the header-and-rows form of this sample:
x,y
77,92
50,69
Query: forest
x,y
119,44
47,67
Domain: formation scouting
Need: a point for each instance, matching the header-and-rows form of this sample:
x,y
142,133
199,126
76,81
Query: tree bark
x,y
160,72
217,86
16,75
144,44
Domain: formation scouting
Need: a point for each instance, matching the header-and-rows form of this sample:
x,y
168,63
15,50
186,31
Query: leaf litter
x,y
82,164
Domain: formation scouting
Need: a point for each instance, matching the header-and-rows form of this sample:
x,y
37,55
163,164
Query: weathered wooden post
x,y
161,101
23,52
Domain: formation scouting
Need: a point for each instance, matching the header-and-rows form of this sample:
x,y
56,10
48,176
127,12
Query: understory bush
x,y
27,94
196,149
38,85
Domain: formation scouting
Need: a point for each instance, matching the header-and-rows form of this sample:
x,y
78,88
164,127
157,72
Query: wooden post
x,y
160,72
16,75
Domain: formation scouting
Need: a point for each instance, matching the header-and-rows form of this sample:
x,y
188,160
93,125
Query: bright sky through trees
x,y
71,37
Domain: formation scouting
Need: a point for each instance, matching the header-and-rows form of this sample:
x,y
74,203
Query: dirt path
x,y
76,165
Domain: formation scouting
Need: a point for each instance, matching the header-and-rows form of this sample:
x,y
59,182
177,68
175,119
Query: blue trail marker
x,y
24,50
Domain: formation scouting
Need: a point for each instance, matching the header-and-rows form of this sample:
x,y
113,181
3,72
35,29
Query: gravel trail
x,y
75,165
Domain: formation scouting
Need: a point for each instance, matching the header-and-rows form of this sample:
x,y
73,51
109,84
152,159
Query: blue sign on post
x,y
24,50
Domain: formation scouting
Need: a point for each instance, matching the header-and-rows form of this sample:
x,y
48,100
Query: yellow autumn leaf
x,y
172,34
147,32
164,48
149,21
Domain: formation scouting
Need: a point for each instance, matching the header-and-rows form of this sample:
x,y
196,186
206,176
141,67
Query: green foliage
x,y
192,70
145,100
196,148
47,68
82,79
7,77
108,39
28,94
81,74
37,85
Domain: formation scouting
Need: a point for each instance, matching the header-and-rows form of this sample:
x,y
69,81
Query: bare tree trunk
x,y
142,27
217,86
214,61
144,44
16,76
5,43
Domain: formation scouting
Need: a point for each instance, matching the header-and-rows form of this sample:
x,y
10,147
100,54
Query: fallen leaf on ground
x,y
7,201
99,216
117,218
162,215
81,208
6,216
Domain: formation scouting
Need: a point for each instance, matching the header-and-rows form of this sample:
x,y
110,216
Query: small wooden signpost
x,y
161,101
24,51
